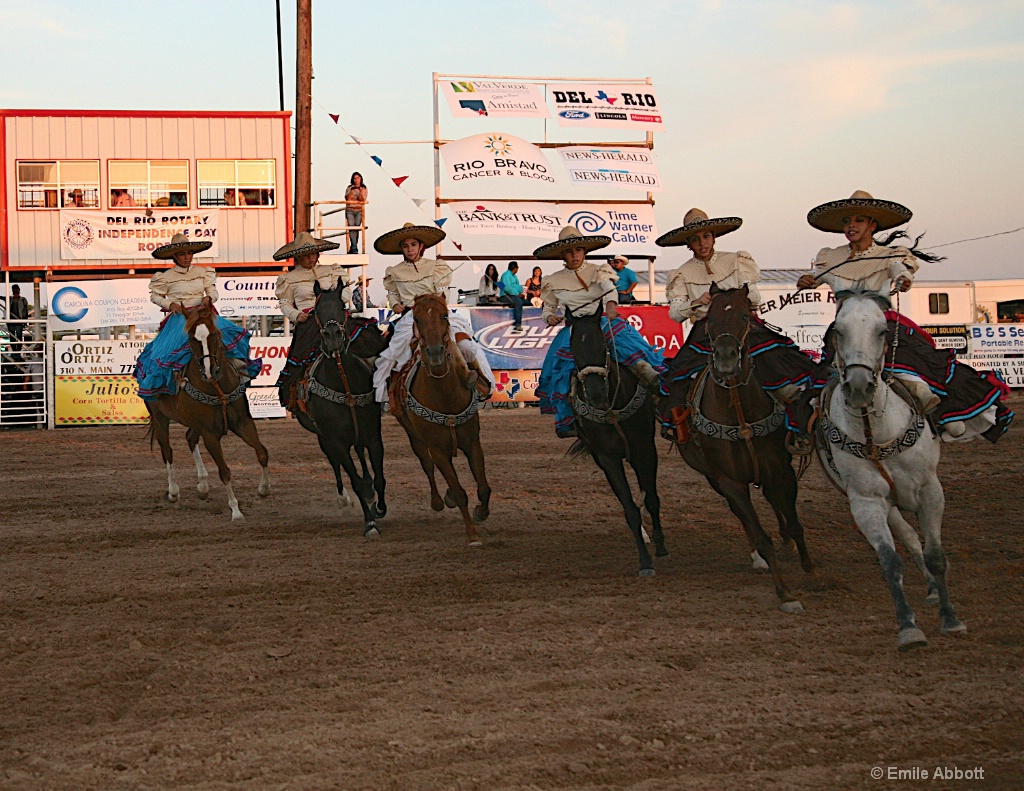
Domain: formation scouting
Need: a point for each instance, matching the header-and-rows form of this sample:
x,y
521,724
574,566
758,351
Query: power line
x,y
974,239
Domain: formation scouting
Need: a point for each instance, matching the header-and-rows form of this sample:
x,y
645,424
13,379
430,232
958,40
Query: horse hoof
x,y
757,562
911,637
932,597
172,498
647,572
476,543
372,533
380,509
449,500
345,500
437,505
958,627
263,491
480,514
661,552
203,494
239,517
791,607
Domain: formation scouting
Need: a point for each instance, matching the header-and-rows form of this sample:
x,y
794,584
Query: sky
x,y
771,107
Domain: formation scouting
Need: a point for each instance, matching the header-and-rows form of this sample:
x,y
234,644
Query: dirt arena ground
x,y
145,645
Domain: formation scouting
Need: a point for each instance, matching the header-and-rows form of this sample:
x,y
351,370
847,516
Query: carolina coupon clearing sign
x,y
132,234
495,155
483,98
90,304
608,106
626,168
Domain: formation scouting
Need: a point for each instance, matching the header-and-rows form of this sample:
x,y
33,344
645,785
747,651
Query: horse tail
x,y
151,432
579,448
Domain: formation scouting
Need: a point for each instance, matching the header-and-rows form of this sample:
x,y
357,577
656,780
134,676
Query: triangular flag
x,y
457,246
476,270
378,160
334,117
419,201
357,139
440,222
399,180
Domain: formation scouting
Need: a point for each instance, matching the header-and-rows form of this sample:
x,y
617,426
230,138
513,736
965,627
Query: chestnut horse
x,y
440,413
738,436
210,402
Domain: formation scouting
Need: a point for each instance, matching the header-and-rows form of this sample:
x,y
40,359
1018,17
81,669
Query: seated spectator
x,y
178,199
490,287
120,199
533,288
512,294
627,279
74,198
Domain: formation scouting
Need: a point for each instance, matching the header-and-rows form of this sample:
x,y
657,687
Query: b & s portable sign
x,y
608,106
625,168
495,155
134,233
486,98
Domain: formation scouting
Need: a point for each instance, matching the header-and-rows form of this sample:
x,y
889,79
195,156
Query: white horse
x,y
884,455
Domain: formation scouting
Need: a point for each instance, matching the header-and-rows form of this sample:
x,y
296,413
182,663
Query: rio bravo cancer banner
x,y
121,234
483,98
495,155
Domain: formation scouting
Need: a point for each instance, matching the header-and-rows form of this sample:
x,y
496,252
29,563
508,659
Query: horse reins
x,y
734,397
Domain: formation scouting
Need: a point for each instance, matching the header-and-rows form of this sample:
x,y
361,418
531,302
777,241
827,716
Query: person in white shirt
x,y
177,290
963,402
781,368
415,276
584,288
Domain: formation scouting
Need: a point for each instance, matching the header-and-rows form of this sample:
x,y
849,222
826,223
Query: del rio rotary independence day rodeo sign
x,y
131,234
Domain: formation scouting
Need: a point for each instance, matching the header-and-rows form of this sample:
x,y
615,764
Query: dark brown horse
x,y
440,414
210,402
738,437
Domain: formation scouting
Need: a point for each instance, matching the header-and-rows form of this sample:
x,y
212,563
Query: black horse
x,y
614,416
738,438
341,410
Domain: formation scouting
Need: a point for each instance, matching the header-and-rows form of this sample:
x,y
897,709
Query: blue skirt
x,y
168,353
556,374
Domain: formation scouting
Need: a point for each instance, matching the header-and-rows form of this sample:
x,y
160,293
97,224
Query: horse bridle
x,y
447,348
741,342
341,325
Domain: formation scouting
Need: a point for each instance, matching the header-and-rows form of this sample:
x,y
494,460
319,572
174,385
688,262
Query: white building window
x,y
59,184
147,183
237,183
938,303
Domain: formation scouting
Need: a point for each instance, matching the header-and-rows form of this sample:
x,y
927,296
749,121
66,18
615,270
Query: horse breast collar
x,y
584,410
321,390
211,400
759,428
431,416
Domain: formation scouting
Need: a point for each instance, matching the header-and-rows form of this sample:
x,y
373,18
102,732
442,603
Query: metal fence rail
x,y
26,374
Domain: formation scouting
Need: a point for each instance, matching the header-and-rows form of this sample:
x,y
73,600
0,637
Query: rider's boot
x,y
476,379
923,394
955,429
646,374
799,409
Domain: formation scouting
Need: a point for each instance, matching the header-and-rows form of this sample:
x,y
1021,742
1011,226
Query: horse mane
x,y
722,299
201,313
422,299
867,293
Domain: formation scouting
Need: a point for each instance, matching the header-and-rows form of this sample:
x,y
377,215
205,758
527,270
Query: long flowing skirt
x,y
556,373
169,353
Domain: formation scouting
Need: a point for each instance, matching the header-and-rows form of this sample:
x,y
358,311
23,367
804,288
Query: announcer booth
x,y
87,195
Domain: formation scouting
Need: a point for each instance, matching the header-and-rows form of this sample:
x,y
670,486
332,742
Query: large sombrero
x,y
180,244
569,239
391,242
829,216
304,243
697,221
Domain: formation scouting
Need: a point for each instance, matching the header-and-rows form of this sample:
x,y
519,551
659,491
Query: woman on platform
x,y
584,288
533,288
179,290
355,201
490,287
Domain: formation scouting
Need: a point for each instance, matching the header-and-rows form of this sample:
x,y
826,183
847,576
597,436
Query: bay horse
x,y
614,417
341,409
878,448
210,401
440,414
737,437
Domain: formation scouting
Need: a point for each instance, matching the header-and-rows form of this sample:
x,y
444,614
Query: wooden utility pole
x,y
303,112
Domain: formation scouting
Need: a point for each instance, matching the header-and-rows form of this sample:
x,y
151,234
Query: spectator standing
x,y
357,296
627,279
17,308
533,288
490,287
513,295
355,198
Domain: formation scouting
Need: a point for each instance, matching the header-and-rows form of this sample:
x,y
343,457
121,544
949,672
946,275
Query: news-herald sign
x,y
487,98
495,155
118,234
608,106
625,168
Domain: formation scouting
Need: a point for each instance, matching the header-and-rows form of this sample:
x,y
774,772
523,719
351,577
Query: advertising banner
x,y
998,347
247,296
90,304
495,155
263,402
485,98
625,168
133,233
515,386
608,106
93,383
631,226
274,352
950,336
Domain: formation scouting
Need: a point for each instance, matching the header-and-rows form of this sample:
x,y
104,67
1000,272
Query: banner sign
x,y
495,155
506,350
626,168
785,306
999,347
90,304
515,386
483,98
263,402
93,383
631,226
247,296
274,352
608,106
950,336
132,233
